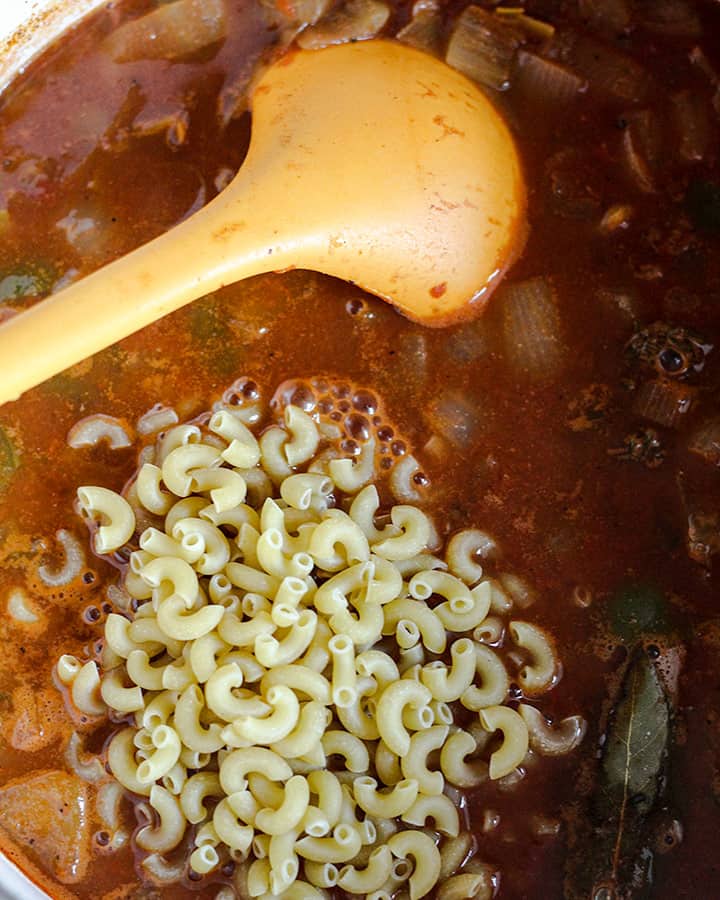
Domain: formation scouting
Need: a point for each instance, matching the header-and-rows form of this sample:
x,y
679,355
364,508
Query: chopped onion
x,y
705,442
453,417
425,29
531,329
20,609
72,566
354,20
92,430
609,72
172,31
544,85
299,12
691,120
483,47
642,147
157,418
665,402
616,217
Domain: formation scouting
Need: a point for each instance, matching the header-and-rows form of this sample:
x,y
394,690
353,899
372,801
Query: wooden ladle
x,y
372,162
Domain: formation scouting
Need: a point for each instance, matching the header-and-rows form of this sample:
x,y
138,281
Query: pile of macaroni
x,y
292,671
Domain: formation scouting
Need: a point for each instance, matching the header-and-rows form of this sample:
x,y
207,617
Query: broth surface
x,y
587,493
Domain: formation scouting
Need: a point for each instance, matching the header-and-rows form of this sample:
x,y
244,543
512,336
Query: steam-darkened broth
x,y
576,423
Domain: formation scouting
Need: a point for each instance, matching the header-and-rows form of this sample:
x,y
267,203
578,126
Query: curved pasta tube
x,y
158,710
177,437
178,674
296,798
166,753
414,764
250,579
148,486
464,551
337,529
332,596
195,792
237,764
122,762
391,704
355,717
378,665
192,732
158,543
85,690
271,556
271,652
305,436
426,857
350,747
312,722
243,449
465,885
117,519
343,846
180,465
284,863
462,610
372,877
322,875
540,673
205,542
141,672
117,696
204,859
272,451
147,633
511,752
440,809
282,719
494,681
453,764
203,655
344,686
306,490
171,828
449,684
187,508
363,510
432,631
552,740
364,630
221,698
229,830
325,786
388,805
172,576
351,475
117,637
175,778
300,679
244,634
178,623
227,488
387,764
414,528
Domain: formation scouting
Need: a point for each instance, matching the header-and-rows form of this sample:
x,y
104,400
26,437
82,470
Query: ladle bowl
x,y
372,162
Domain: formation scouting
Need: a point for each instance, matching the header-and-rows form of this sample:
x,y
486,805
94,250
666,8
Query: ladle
x,y
373,162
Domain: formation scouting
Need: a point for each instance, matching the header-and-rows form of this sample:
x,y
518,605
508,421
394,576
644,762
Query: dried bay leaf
x,y
611,855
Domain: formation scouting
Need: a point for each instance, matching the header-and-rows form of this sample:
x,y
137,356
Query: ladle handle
x,y
196,257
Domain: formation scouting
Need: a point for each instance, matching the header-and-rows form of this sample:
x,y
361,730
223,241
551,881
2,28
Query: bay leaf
x,y
611,855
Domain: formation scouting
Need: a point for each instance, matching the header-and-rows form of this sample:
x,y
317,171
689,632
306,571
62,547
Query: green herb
x,y
636,610
612,850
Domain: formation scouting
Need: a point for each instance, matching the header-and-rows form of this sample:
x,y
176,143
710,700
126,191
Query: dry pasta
x,y
285,668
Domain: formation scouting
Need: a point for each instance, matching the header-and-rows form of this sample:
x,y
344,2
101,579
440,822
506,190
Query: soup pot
x,y
27,27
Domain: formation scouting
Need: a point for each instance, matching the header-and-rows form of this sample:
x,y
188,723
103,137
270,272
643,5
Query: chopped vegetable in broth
x,y
564,447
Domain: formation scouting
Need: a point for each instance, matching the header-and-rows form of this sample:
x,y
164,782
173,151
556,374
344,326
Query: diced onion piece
x,y
92,430
642,147
355,20
531,327
609,72
691,120
483,47
665,402
545,82
172,31
425,30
